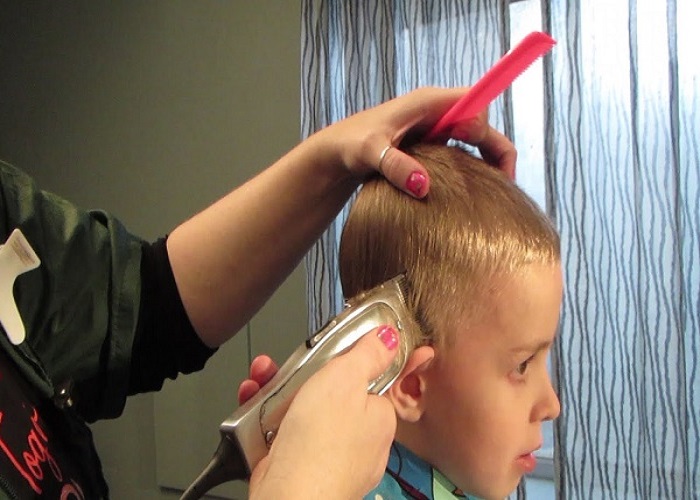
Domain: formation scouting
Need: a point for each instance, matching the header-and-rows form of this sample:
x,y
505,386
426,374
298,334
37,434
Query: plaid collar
x,y
416,478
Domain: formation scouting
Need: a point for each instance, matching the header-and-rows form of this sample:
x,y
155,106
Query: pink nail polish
x,y
389,337
415,183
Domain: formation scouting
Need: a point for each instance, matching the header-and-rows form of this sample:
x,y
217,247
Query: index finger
x,y
495,148
499,151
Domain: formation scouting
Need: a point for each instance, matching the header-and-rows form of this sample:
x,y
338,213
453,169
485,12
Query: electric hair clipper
x,y
248,433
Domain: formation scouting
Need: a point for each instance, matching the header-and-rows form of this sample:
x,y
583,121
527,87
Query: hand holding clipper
x,y
249,432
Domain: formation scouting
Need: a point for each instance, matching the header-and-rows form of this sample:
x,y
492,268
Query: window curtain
x,y
359,53
622,149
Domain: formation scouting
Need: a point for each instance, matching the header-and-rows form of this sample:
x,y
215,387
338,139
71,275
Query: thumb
x,y
404,172
259,472
373,353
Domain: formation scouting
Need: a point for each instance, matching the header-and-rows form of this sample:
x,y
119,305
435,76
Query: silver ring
x,y
382,155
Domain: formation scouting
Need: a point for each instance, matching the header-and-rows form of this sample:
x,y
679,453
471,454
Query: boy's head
x,y
482,264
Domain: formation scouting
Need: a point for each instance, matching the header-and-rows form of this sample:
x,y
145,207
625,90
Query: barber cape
x,y
410,477
41,447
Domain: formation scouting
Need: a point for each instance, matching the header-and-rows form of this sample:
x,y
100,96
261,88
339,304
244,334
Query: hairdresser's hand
x,y
262,369
366,134
334,440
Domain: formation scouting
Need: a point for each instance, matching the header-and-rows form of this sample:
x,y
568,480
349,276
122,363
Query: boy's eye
x,y
522,367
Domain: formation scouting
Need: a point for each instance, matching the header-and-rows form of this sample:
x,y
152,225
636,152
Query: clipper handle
x,y
253,426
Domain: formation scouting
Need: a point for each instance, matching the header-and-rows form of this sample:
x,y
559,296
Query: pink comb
x,y
495,81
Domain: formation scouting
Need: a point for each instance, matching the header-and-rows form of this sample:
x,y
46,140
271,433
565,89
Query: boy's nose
x,y
552,405
548,406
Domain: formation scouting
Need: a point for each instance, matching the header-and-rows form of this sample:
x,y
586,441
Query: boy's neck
x,y
409,437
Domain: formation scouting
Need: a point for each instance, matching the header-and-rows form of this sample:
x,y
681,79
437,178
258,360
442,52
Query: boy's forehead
x,y
519,311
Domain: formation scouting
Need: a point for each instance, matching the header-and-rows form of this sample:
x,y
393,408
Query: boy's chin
x,y
496,491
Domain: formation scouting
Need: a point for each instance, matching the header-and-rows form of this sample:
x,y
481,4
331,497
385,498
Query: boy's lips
x,y
527,462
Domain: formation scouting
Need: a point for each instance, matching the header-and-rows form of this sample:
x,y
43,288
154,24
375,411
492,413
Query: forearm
x,y
229,259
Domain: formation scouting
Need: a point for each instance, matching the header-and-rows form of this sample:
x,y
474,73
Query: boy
x,y
483,266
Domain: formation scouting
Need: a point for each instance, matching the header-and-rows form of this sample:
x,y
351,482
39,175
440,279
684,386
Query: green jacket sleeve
x,y
80,307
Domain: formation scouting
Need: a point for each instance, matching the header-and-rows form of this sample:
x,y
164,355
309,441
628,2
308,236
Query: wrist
x,y
332,154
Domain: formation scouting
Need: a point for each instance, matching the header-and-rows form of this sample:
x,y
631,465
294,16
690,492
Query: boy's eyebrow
x,y
540,346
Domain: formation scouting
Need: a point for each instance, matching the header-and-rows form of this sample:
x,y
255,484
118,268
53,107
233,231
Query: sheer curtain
x,y
356,54
623,181
623,174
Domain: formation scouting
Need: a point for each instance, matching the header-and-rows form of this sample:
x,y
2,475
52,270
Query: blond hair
x,y
473,227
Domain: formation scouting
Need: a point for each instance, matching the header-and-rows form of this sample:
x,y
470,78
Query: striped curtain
x,y
623,165
359,53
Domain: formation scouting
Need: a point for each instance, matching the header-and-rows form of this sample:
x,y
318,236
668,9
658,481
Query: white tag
x,y
16,257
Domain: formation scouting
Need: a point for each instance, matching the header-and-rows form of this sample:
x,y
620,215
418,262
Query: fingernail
x,y
389,337
415,183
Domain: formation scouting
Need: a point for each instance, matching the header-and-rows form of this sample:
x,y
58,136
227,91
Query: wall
x,y
152,110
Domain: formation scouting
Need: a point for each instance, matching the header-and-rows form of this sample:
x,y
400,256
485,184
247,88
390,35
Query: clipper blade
x,y
385,304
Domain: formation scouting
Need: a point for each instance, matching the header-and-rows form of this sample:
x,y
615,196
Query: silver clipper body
x,y
250,431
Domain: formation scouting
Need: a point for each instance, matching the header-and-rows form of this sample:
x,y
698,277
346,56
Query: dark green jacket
x,y
79,308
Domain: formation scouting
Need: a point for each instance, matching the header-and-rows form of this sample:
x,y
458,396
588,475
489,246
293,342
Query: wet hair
x,y
474,227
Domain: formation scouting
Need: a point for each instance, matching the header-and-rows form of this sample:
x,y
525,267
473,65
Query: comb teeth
x,y
495,81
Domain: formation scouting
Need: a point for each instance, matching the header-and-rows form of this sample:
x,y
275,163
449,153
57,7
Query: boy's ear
x,y
407,392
